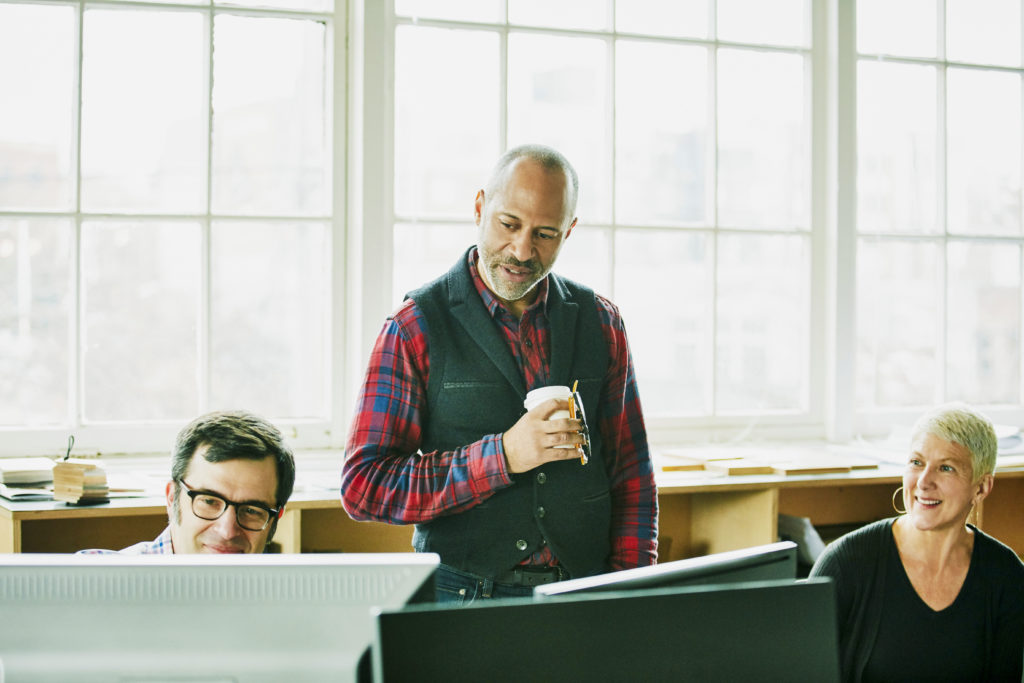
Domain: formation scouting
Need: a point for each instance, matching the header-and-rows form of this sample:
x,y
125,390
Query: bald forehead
x,y
533,172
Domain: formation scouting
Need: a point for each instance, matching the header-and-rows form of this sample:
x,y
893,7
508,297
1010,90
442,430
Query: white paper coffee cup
x,y
538,396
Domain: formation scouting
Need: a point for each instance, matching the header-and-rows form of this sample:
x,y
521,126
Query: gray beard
x,y
505,290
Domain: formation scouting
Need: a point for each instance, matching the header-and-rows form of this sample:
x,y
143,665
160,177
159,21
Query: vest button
x,y
540,512
528,344
521,544
541,477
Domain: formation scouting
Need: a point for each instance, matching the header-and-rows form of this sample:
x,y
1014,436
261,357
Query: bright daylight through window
x,y
809,211
165,212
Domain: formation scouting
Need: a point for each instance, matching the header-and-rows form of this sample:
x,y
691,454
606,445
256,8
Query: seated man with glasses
x,y
231,475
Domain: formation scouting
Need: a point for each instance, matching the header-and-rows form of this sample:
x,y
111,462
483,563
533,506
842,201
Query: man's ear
x,y
169,493
478,207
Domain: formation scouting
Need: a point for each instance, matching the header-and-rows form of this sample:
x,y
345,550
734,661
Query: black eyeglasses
x,y
210,506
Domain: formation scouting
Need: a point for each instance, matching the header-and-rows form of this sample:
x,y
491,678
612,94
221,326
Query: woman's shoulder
x,y
868,535
993,551
862,545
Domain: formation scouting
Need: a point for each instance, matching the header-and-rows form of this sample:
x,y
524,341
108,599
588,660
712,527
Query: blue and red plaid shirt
x,y
161,545
386,479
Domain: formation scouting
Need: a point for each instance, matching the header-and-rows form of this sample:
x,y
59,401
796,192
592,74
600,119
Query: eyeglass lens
x,y
209,507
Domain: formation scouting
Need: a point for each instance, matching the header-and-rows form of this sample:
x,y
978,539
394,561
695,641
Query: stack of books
x,y
79,481
26,471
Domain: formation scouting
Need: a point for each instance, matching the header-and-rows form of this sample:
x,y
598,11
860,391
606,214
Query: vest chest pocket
x,y
474,406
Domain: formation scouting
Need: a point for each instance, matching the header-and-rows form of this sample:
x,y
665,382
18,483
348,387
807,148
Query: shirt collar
x,y
492,302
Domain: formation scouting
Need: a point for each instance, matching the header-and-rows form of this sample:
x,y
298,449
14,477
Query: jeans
x,y
455,587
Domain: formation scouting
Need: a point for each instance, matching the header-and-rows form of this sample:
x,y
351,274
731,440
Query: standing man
x,y
231,475
440,438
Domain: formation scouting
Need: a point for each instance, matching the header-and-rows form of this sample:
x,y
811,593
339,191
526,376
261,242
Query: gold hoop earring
x,y
894,494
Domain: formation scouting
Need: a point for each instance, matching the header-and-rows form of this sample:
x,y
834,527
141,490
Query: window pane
x,y
775,22
661,134
663,17
984,154
424,251
558,96
143,127
37,73
270,322
459,10
897,172
983,358
140,293
442,159
763,322
580,14
671,345
586,258
35,306
983,32
763,140
899,323
270,146
167,2
300,5
905,28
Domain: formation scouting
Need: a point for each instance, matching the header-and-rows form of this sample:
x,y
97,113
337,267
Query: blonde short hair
x,y
960,424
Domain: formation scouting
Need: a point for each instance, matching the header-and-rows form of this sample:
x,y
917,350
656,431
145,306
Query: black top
x,y
910,632
886,632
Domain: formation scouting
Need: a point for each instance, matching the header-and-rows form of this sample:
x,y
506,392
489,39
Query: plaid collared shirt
x,y
161,545
385,479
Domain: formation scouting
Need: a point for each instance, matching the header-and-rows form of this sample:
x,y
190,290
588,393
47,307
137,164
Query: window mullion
x,y
841,250
76,385
204,338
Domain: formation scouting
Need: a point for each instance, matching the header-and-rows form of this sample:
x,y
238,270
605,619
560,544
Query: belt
x,y
527,575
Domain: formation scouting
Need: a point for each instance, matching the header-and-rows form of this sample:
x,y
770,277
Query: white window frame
x,y
376,245
362,247
158,436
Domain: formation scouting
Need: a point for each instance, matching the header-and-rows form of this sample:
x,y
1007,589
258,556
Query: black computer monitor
x,y
775,561
760,631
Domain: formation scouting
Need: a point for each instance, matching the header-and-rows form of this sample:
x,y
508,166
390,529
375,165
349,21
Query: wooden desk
x,y
702,515
699,515
312,522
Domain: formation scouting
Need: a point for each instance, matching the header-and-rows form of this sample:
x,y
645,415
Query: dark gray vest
x,y
475,389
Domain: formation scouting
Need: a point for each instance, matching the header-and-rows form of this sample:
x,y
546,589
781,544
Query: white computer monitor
x,y
243,619
770,562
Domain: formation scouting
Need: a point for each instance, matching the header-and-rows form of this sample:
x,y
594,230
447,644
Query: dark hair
x,y
230,436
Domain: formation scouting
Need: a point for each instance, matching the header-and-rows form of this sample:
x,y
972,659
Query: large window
x,y
809,211
690,126
165,215
939,204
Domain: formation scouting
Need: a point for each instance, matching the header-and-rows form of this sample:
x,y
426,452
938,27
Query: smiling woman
x,y
953,596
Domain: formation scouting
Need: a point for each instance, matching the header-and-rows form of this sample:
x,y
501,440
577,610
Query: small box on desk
x,y
79,481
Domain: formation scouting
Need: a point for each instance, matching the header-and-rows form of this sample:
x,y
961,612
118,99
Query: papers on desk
x,y
732,461
26,494
118,486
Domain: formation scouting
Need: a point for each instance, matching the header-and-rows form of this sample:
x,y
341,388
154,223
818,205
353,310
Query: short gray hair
x,y
960,424
548,157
